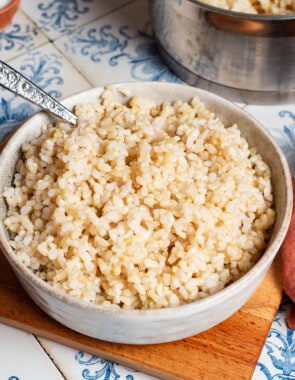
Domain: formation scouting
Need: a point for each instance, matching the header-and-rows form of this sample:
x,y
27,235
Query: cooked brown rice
x,y
271,7
140,205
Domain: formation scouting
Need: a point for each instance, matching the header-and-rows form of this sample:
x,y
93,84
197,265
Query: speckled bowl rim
x,y
202,304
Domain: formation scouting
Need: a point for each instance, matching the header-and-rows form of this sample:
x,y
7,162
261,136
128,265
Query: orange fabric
x,y
291,317
7,13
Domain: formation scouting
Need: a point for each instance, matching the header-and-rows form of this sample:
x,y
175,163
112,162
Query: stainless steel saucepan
x,y
238,50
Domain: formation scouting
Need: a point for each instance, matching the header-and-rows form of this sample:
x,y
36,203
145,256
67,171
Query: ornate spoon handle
x,y
20,85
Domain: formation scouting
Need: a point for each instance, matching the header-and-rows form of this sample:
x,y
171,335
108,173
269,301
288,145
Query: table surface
x,y
68,46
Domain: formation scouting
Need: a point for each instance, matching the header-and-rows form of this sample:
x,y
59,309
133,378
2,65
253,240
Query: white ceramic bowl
x,y
160,325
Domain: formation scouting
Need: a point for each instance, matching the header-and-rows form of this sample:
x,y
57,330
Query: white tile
x,y
117,48
24,359
20,37
276,360
279,120
50,70
271,116
59,17
77,365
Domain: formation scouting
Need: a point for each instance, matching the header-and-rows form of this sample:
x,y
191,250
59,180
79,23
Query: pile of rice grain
x,y
268,7
140,205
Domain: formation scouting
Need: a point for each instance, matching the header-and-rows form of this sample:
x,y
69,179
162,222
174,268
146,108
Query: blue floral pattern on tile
x,y
100,368
285,137
178,2
12,115
114,45
17,37
98,42
61,15
279,349
43,70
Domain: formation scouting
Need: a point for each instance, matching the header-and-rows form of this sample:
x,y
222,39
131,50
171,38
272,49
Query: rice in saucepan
x,y
268,7
140,205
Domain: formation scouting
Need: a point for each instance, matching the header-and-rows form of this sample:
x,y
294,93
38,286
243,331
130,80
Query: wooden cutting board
x,y
230,350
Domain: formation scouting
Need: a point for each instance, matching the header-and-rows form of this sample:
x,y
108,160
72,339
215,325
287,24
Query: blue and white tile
x,y
19,37
61,17
26,359
277,360
78,365
117,48
48,69
279,120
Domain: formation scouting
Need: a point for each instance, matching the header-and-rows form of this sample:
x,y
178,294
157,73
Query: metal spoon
x,y
20,85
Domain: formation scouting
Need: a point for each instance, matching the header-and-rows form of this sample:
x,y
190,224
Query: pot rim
x,y
268,18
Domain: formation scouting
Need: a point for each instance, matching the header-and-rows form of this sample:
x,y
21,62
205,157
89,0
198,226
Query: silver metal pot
x,y
238,50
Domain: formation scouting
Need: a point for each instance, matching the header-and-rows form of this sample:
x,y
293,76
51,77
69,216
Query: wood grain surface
x,y
229,350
